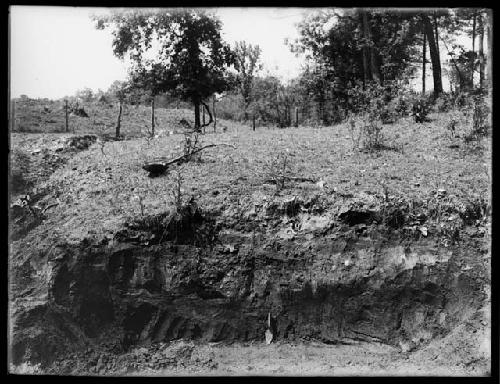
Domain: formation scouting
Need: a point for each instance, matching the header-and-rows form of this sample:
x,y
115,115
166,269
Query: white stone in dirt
x,y
269,336
441,192
286,233
314,223
321,184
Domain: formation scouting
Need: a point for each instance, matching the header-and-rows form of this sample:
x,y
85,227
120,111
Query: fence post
x,y
296,117
215,115
66,114
153,116
253,122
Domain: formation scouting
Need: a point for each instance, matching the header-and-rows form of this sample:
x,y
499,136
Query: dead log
x,y
298,179
160,166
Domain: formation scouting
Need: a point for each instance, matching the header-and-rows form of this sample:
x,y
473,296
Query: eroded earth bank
x,y
352,285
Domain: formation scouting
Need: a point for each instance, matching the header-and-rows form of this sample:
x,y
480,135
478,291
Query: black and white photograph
x,y
250,191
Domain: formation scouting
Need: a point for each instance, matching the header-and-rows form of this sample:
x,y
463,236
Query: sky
x,y
54,51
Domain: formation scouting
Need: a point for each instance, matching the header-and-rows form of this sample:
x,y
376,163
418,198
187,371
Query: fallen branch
x,y
290,178
49,206
160,166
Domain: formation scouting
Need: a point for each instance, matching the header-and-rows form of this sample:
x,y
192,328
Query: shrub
x,y
367,132
355,131
478,122
177,191
444,103
402,105
279,168
480,116
372,136
421,107
192,143
452,125
462,100
386,103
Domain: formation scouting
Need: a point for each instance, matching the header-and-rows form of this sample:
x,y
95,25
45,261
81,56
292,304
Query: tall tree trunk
x,y
481,51
490,51
153,116
436,33
424,58
434,52
366,58
374,63
119,121
473,51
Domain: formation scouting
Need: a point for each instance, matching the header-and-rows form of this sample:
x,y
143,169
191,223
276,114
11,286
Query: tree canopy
x,y
179,51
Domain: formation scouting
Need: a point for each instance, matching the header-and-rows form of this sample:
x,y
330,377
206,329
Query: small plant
x,y
372,136
452,125
444,103
279,169
354,132
402,105
420,110
369,134
140,198
192,143
177,192
476,120
479,117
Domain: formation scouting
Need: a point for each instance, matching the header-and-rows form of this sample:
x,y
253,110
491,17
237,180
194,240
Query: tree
x,y
247,63
190,58
350,46
481,50
466,62
424,58
86,94
371,65
432,39
359,44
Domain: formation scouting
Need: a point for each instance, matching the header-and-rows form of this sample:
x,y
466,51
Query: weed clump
x,y
366,134
420,109
279,169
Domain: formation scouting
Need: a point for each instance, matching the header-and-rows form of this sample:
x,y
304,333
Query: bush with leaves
x,y
421,107
444,102
372,136
365,133
479,120
386,103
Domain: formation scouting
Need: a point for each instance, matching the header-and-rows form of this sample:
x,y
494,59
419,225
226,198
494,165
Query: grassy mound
x,y
101,188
